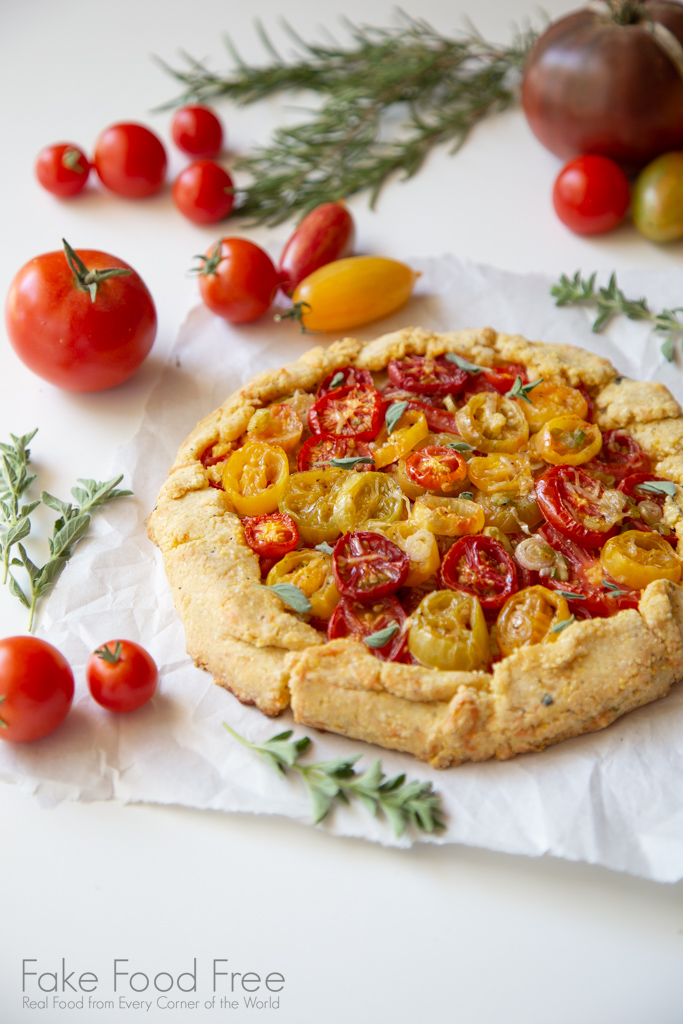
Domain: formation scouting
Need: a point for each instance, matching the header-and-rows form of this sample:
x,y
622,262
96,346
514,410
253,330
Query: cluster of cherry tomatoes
x,y
37,684
455,512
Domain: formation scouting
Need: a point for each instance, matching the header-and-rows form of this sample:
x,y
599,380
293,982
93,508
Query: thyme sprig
x,y
402,802
72,523
611,302
439,87
14,481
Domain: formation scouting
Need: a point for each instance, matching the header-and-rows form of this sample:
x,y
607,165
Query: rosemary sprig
x,y
14,481
611,301
402,802
72,523
441,87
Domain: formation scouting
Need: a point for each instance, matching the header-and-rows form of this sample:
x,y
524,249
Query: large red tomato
x,y
82,320
36,688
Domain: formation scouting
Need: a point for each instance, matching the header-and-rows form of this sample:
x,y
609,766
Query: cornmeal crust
x,y
595,672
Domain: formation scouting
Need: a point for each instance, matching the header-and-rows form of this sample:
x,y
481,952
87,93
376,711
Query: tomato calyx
x,y
106,653
89,280
296,313
71,159
3,723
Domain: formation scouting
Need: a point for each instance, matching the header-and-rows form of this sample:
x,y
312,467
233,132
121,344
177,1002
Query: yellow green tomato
x,y
658,199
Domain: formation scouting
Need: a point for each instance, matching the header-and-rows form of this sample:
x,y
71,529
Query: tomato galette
x,y
458,545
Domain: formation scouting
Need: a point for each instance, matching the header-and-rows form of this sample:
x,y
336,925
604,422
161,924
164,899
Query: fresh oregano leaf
x,y
351,461
464,364
559,626
461,446
569,596
290,595
519,390
658,487
337,380
326,548
393,415
382,636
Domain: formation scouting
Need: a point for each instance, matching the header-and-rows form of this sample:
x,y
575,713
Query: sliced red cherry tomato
x,y
619,457
439,420
425,376
368,566
344,377
586,576
353,411
360,620
318,452
578,505
436,468
480,566
497,378
271,536
62,169
197,131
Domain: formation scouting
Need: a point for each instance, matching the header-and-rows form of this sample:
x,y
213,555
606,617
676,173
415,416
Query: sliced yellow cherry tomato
x,y
548,400
353,291
449,632
255,477
636,558
529,617
568,440
419,545
410,429
310,571
309,499
447,517
495,473
364,496
510,513
493,423
277,424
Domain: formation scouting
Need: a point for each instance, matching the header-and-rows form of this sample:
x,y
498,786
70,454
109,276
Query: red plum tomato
x,y
62,169
324,235
36,688
237,280
203,192
121,675
591,195
197,131
130,160
70,338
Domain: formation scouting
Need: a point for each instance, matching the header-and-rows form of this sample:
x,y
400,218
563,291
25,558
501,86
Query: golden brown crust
x,y
596,671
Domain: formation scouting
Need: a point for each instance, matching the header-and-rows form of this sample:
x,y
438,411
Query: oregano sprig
x,y
402,802
611,301
14,481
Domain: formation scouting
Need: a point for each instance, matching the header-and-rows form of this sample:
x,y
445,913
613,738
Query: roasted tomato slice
x,y
439,420
497,378
568,441
436,468
493,423
621,456
345,376
276,424
318,452
255,477
530,617
448,631
362,619
271,536
481,566
636,559
548,400
646,505
368,566
353,411
425,376
578,505
593,589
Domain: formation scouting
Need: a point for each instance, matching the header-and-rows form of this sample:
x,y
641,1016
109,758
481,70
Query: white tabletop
x,y
358,932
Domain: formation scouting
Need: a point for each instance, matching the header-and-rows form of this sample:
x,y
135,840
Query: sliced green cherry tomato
x,y
530,617
365,496
309,499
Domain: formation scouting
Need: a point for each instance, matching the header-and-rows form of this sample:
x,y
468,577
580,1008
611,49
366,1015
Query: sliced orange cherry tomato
x,y
509,474
276,424
636,558
548,400
353,291
436,468
255,477
568,441
493,423
449,632
271,536
530,617
310,571
309,499
410,429
353,411
447,517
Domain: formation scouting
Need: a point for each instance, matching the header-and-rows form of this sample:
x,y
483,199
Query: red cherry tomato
x,y
130,160
439,420
62,169
197,131
426,376
586,576
359,620
324,235
318,451
368,566
272,535
498,378
121,675
353,411
71,339
36,688
619,457
344,377
591,195
203,192
436,468
574,503
238,280
480,566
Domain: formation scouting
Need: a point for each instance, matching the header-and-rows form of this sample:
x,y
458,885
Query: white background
x,y
360,933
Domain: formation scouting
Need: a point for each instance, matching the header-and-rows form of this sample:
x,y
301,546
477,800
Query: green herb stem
x,y
14,481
